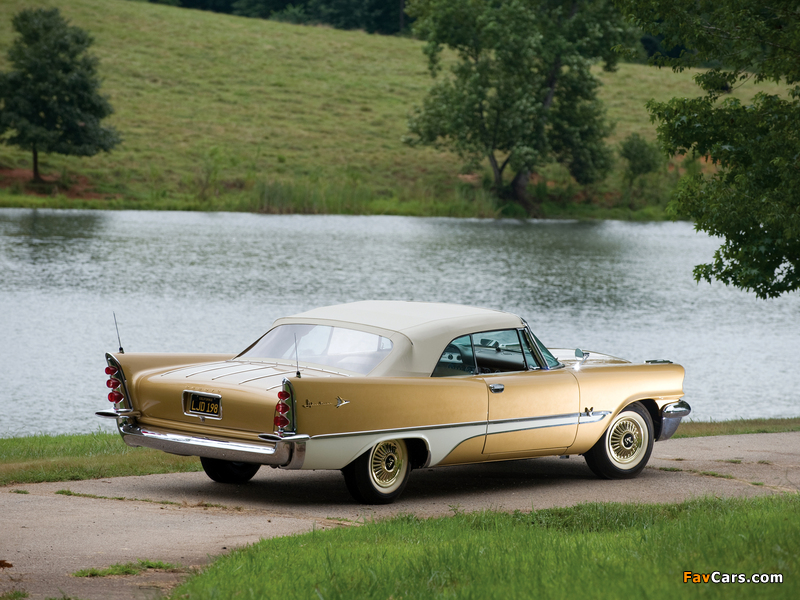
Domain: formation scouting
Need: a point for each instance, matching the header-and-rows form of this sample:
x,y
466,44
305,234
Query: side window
x,y
498,351
456,359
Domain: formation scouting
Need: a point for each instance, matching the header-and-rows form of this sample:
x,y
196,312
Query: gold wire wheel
x,y
627,439
388,463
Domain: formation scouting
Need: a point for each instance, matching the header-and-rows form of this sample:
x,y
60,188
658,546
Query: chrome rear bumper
x,y
287,454
671,416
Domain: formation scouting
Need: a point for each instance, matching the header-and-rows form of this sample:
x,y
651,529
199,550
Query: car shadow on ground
x,y
277,489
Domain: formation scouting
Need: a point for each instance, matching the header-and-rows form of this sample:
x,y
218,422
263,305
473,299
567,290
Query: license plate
x,y
207,405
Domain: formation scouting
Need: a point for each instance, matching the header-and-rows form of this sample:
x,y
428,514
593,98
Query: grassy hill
x,y
229,113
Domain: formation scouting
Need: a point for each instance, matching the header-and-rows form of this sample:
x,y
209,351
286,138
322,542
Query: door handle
x,y
496,388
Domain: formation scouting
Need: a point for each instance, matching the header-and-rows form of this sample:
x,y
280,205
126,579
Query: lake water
x,y
214,282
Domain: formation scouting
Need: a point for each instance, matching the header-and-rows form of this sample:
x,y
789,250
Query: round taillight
x,y
283,395
115,397
111,370
282,408
281,421
113,383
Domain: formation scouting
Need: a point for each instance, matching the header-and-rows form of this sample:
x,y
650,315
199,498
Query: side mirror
x,y
581,354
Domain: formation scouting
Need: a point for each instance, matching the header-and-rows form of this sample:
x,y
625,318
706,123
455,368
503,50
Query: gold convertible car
x,y
376,389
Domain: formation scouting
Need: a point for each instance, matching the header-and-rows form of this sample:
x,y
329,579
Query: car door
x,y
530,409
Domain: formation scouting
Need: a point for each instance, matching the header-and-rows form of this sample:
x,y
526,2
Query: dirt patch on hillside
x,y
74,186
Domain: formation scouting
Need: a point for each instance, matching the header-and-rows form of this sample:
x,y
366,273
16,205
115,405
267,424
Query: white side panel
x,y
336,452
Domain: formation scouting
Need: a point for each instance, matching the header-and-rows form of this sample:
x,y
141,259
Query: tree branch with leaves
x,y
752,201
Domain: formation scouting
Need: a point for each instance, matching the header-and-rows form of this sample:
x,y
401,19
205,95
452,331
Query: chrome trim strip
x,y
592,417
522,424
493,427
274,437
236,373
280,454
193,373
275,374
118,414
398,430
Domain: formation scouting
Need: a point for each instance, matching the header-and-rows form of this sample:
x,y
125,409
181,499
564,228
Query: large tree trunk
x,y
36,177
497,172
519,190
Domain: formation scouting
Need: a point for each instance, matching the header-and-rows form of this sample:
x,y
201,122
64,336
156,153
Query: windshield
x,y
551,360
335,347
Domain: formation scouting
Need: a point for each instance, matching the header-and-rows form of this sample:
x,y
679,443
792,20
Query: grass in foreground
x,y
131,568
587,551
38,458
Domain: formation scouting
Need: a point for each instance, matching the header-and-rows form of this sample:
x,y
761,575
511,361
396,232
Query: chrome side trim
x,y
499,426
280,454
398,430
508,425
671,416
592,417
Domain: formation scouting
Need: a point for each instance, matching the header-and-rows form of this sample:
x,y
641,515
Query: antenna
x,y
296,358
121,351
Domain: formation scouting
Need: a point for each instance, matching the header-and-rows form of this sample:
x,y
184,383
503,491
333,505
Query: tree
x,y
642,157
49,101
752,200
520,92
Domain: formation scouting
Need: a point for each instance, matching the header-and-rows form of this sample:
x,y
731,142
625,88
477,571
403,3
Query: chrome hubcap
x,y
627,440
387,463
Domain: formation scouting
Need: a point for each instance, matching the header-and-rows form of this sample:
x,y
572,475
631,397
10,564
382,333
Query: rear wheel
x,y
227,471
625,447
380,475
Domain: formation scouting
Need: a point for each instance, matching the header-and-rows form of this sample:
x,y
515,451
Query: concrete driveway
x,y
188,519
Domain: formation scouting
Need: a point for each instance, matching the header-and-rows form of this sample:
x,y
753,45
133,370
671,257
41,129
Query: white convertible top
x,y
419,330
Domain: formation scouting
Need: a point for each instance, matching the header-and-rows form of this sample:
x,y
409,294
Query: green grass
x,y
226,113
39,458
736,427
131,568
14,595
587,551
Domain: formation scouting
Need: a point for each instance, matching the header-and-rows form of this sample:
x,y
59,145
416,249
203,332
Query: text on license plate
x,y
205,405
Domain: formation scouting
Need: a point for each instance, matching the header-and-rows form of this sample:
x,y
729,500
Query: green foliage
x,y
642,156
752,200
50,99
520,92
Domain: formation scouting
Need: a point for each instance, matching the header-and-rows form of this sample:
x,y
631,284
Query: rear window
x,y
337,347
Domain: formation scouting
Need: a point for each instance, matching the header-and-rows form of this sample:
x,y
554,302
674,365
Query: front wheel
x,y
227,471
380,475
625,447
